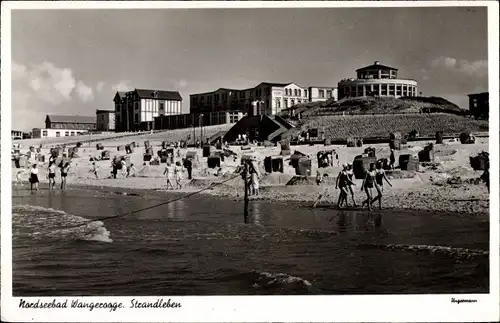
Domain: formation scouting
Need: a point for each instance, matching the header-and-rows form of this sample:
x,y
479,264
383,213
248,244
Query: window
x,y
242,94
44,133
328,94
305,93
66,133
321,93
72,133
278,103
58,134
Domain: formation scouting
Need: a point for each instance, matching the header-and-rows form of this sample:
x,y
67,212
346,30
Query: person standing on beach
x,y
169,173
93,170
64,173
350,184
124,167
34,177
392,160
131,171
368,184
52,175
380,176
188,164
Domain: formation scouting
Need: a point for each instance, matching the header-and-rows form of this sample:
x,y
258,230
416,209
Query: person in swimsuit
x,y
34,177
64,174
52,175
380,176
169,173
178,174
350,176
368,184
343,182
392,160
93,170
131,171
318,178
254,178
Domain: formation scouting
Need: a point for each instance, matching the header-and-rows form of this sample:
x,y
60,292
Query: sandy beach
x,y
449,185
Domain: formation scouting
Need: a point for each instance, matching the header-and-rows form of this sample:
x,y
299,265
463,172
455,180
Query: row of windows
x,y
295,92
58,134
321,94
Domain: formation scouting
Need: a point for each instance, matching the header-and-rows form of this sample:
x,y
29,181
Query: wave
x,y
41,223
430,249
266,280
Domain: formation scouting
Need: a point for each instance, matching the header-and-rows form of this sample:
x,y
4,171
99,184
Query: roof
x,y
274,84
323,87
71,119
478,94
162,95
376,66
104,111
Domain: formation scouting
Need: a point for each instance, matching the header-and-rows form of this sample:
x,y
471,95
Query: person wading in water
x,y
368,184
52,175
64,173
380,176
350,176
343,182
34,177
169,173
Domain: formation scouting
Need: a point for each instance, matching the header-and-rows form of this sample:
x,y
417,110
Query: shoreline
x,y
449,185
306,195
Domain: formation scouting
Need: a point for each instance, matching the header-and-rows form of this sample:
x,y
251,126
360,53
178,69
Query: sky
x,y
73,61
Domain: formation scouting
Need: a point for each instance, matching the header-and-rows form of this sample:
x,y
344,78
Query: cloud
x,y
477,68
44,88
122,86
84,92
45,82
100,86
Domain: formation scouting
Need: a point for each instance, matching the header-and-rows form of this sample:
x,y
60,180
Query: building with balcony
x,y
70,122
322,93
377,80
16,134
479,105
264,99
136,110
105,120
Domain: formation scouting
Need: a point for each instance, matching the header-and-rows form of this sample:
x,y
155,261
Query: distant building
x,y
52,133
264,99
322,93
377,80
196,120
136,110
70,122
479,105
105,120
16,134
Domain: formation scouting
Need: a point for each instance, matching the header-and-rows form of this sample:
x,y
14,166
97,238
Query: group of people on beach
x,y
173,172
374,178
51,175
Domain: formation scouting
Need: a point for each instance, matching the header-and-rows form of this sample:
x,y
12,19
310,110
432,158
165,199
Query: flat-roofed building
x,y
57,132
105,120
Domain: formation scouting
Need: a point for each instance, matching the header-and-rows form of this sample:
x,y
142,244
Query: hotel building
x,y
136,110
264,99
377,80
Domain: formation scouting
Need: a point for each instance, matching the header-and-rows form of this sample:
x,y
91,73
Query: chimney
x,y
377,62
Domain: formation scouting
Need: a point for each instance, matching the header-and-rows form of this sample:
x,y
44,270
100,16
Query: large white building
x,y
264,99
136,110
377,80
